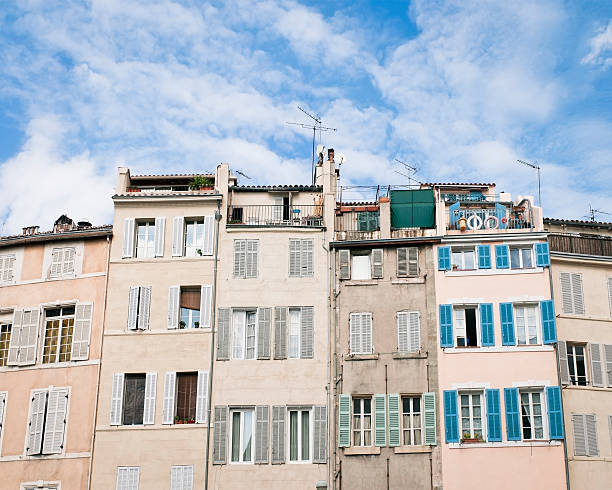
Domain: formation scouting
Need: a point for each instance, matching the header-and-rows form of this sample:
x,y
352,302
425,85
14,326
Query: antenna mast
x,y
410,169
538,169
593,212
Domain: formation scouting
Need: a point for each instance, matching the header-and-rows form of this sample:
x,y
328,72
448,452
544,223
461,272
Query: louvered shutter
x,y
563,366
380,420
174,293
595,354
307,333
181,477
169,394
209,235
484,256
444,258
580,442
56,262
367,344
116,410
127,477
413,261
344,420
344,258
487,335
394,419
252,258
263,332
205,305
414,331
549,330
451,424
68,261
160,231
202,398
319,445
555,415
403,343
608,363
566,292
591,435
502,260
610,293
144,307
178,230
55,421
280,332
82,332
220,436
15,342
542,256
506,315
295,251
148,417
38,404
223,334
355,333
429,407
307,258
513,422
493,416
262,434
2,412
446,326
577,294
377,263
128,238
240,258
133,307
402,262
278,435
29,337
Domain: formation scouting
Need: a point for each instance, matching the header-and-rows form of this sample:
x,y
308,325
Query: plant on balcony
x,y
467,438
182,324
199,182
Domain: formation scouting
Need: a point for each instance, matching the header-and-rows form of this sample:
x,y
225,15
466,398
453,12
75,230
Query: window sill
x,y
410,355
361,357
364,282
479,445
361,450
409,280
412,449
587,388
493,272
498,349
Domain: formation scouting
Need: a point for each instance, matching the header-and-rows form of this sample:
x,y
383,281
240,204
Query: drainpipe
x,y
335,367
212,342
329,363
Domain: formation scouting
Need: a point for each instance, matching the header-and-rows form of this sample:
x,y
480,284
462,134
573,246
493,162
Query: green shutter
x,y
429,406
380,420
344,420
394,420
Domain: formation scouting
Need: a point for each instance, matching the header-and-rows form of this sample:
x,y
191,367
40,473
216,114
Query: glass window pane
x,y
527,257
247,433
236,436
367,405
515,258
305,435
293,435
470,263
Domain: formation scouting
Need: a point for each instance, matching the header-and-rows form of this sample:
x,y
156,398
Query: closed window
x,y
133,399
463,259
362,421
471,415
139,307
40,486
367,220
47,424
181,477
361,333
145,239
411,421
294,331
186,397
62,262
7,268
532,418
59,328
521,257
127,477
299,435
407,262
244,335
5,340
242,435
246,254
300,257
466,326
408,331
571,293
360,267
585,434
190,307
526,320
576,362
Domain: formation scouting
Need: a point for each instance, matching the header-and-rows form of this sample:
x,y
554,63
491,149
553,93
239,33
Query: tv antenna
x,y
593,212
411,170
317,126
533,165
239,172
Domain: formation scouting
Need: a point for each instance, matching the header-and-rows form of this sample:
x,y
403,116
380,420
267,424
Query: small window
x,y
127,477
526,319
362,421
244,335
360,267
242,435
521,257
466,331
133,399
59,328
47,421
7,266
43,486
190,308
532,418
5,340
62,262
145,239
463,259
186,397
471,415
299,435
411,421
407,261
576,362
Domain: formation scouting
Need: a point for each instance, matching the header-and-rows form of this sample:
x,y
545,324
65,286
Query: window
x,y
241,435
407,261
360,265
361,333
127,477
246,253
295,323
244,334
521,257
190,308
139,307
463,259
59,329
362,421
62,262
466,326
46,427
145,239
195,235
186,397
532,419
471,415
585,435
571,293
300,258
181,478
5,340
367,221
133,399
576,362
526,318
7,266
40,486
408,331
411,421
299,435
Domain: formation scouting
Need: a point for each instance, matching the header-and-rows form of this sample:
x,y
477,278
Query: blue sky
x,y
461,89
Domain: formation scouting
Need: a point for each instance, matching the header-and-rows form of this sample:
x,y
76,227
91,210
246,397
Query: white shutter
x,y
28,341
608,363
209,235
414,329
344,259
566,293
82,332
610,293
15,342
355,333
127,477
148,417
252,257
2,412
295,251
178,230
377,263
38,404
144,307
402,331
160,232
563,366
307,267
128,238
205,305
402,262
591,435
578,427
169,394
413,261
366,333
68,261
55,423
174,294
595,354
56,262
117,399
307,332
181,478
577,294
202,398
239,258
610,428
133,307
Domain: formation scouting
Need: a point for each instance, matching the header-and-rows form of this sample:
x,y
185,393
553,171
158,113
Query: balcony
x,y
264,215
487,219
580,244
358,225
471,197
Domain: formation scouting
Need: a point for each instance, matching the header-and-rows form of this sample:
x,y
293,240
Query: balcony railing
x,y
473,197
479,220
276,215
357,225
583,245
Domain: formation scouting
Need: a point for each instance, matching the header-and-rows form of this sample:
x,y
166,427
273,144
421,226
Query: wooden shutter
x,y
402,262
451,423
580,442
608,363
487,335
178,230
239,258
344,259
15,342
278,435
169,395
280,332
577,294
262,434
28,341
205,305
174,294
148,417
403,342
563,366
128,238
380,420
82,332
394,419
493,416
484,256
549,329
377,263
595,355
220,435
160,231
429,407
502,259
513,422
144,307
566,292
263,332
307,333
38,404
446,326
555,415
223,334
344,420
116,410
506,315
202,398
209,235
307,258
55,421
591,435
319,443
252,258
542,256
133,307
413,261
444,258
295,251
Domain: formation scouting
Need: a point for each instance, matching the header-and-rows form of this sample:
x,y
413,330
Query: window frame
x,y
483,418
300,411
190,314
5,329
411,414
369,267
60,335
362,431
195,221
573,379
521,248
463,307
463,251
6,271
298,325
124,405
241,411
543,412
149,225
538,323
244,337
183,375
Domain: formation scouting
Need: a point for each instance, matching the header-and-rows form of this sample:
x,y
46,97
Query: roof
x,y
460,184
144,194
48,236
358,203
578,222
277,188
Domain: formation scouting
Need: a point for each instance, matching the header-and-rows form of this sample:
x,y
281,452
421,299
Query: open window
x,y
241,435
466,326
532,414
463,259
5,339
190,307
244,334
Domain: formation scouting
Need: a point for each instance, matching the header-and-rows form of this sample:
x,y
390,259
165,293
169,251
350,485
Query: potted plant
x,y
177,420
182,324
467,438
199,182
199,251
196,324
191,421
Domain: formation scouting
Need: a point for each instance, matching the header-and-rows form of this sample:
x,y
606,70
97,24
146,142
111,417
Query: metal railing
x,y
276,215
483,221
584,245
477,197
357,225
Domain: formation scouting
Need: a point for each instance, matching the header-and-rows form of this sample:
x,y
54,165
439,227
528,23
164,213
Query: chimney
x,y
30,230
330,155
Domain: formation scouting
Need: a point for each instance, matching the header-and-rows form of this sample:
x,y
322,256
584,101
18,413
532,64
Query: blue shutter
x,y
555,415
549,330
507,323
444,258
501,257
542,257
493,416
453,213
487,335
446,326
513,422
484,256
451,423
500,213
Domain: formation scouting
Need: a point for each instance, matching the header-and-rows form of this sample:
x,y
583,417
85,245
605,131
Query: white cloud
x,y
601,48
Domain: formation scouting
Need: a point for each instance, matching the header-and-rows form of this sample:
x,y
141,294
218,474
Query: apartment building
x,y
385,343
498,382
581,264
52,291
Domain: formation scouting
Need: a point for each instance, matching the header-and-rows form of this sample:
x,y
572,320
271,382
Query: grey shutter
x,y
205,305
178,229
128,477
377,263
402,262
307,266
223,334
355,333
563,367
367,343
160,232
295,251
144,307
319,443
608,363
28,341
38,404
169,394
344,258
252,258
262,434
148,417
81,332
280,332
610,428
413,261
240,258
278,435
202,398
209,235
595,355
402,331
128,238
307,333
566,293
174,293
414,331
578,426
133,308
610,293
263,332
220,436
591,435
55,421
116,410
13,353
577,294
